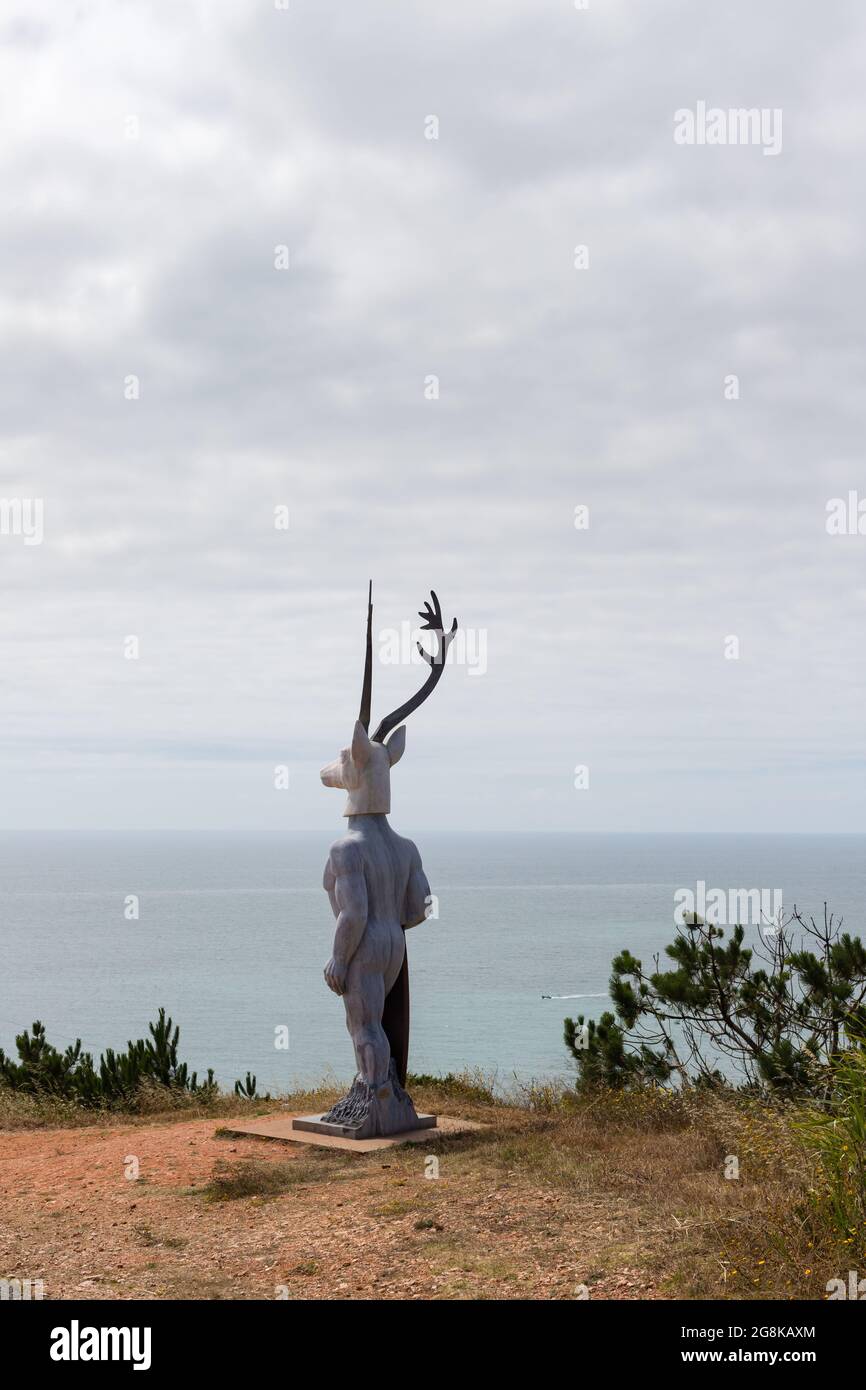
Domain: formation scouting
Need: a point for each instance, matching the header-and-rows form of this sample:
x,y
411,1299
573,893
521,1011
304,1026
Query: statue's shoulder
x,y
345,856
409,850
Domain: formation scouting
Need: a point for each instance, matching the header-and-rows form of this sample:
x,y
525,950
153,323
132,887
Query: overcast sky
x,y
153,158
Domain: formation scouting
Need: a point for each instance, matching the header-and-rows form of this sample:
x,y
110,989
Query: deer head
x,y
364,769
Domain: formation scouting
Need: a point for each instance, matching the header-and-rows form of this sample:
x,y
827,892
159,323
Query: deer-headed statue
x,y
377,890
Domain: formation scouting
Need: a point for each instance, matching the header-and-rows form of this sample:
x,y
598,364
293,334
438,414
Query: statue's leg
x,y
376,1103
364,1000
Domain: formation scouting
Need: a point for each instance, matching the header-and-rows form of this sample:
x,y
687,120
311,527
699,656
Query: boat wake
x,y
574,996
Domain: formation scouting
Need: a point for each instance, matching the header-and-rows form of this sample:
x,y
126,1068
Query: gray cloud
x,y
410,257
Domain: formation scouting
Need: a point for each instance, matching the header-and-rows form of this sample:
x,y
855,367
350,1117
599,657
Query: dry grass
x,y
782,1246
154,1103
648,1167
269,1177
254,1178
726,1199
18,1110
622,1194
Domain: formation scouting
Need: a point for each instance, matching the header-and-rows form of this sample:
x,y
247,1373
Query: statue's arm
x,y
349,900
417,893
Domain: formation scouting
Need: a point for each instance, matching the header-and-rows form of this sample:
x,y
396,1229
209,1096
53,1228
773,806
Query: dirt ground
x,y
73,1214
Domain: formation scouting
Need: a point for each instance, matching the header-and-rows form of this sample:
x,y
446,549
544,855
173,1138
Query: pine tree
x,y
776,1016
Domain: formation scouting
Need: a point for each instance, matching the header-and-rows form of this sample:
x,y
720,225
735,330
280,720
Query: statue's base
x,y
369,1111
281,1127
317,1124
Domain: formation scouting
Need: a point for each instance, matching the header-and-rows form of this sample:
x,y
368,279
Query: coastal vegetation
x,y
653,1178
775,1017
148,1068
764,1047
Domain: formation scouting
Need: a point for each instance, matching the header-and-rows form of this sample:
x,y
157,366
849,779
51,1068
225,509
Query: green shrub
x,y
836,1136
117,1078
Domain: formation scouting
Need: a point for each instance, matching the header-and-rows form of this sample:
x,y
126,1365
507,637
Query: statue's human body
x,y
377,889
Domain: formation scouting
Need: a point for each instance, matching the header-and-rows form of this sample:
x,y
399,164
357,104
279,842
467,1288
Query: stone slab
x,y
282,1128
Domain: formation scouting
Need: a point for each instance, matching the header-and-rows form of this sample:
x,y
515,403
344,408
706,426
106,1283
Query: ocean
x,y
233,932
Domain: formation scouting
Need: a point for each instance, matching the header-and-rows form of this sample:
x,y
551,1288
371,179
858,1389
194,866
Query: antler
x,y
432,623
367,688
